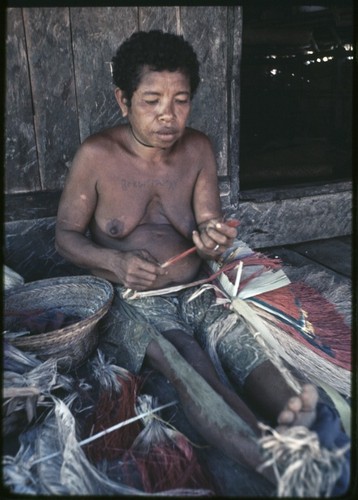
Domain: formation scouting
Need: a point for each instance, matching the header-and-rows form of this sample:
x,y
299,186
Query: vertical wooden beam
x,y
96,35
234,46
205,28
52,81
21,164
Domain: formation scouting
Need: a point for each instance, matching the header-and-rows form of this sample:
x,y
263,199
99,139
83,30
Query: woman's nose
x,y
167,112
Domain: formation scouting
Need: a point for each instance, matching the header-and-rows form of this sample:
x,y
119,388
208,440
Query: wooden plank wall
x,y
59,89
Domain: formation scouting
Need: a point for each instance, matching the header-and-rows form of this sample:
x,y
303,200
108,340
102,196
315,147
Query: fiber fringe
x,y
162,457
302,468
217,331
116,403
294,321
297,354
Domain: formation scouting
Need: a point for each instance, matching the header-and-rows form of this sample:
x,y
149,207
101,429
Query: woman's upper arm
x,y
79,196
206,200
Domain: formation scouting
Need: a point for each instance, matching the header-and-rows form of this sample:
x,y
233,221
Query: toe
x,y
309,397
300,410
295,404
286,417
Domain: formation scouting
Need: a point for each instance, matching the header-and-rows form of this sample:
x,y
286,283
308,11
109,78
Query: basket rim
x,y
60,280
69,330
63,333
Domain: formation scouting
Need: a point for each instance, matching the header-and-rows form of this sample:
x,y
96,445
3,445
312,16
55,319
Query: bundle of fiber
x,y
116,400
309,463
16,360
17,475
27,386
51,461
294,319
161,458
336,289
11,278
311,319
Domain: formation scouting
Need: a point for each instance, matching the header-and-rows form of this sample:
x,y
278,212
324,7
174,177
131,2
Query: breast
x,y
147,212
115,228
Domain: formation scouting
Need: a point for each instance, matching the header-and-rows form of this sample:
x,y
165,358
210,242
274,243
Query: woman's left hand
x,y
214,237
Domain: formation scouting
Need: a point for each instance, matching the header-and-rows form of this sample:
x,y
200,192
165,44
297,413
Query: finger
x,y
140,280
203,243
197,240
226,229
213,250
215,237
146,262
207,235
212,237
155,267
141,277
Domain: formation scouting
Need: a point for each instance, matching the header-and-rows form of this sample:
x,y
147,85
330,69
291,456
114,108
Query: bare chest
x,y
127,199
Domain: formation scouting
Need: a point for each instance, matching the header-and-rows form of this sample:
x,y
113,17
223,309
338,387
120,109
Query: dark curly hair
x,y
160,51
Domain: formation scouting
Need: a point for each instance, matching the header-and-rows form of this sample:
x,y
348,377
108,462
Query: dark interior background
x,y
296,94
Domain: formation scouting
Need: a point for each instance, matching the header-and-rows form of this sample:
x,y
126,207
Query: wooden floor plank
x,y
297,260
347,240
332,253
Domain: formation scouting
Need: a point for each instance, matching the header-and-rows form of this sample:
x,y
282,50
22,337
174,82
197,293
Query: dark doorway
x,y
296,94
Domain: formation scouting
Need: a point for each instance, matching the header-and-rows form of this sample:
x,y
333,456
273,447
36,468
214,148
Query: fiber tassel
x,y
302,467
51,462
293,320
217,331
310,318
69,472
265,334
116,403
275,337
163,457
326,325
11,278
27,384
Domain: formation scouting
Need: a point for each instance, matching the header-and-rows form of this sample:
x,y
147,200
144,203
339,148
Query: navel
x,y
114,227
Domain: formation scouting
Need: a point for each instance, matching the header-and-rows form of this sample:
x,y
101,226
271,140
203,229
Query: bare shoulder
x,y
197,138
97,149
200,147
102,142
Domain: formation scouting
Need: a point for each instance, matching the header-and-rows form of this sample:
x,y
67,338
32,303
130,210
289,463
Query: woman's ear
x,y
122,101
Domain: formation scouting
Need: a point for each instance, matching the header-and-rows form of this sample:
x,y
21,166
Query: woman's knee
x,y
184,342
178,338
154,356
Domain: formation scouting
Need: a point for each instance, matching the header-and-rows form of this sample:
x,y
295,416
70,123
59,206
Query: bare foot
x,y
300,410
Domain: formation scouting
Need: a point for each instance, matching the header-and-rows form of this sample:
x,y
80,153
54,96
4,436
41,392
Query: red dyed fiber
x,y
166,467
330,336
113,407
328,323
284,300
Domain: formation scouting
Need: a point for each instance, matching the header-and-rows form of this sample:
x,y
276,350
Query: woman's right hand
x,y
137,269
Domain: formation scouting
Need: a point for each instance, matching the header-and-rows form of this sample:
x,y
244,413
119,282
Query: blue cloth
x,y
331,436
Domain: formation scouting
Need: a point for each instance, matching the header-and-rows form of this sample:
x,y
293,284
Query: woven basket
x,y
86,297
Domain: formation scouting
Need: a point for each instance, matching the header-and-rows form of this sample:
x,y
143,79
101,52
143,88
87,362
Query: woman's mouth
x,y
167,132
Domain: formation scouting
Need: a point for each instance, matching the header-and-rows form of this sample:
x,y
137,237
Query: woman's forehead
x,y
151,79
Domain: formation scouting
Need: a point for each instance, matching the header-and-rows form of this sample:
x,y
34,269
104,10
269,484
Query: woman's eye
x,y
152,102
182,101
